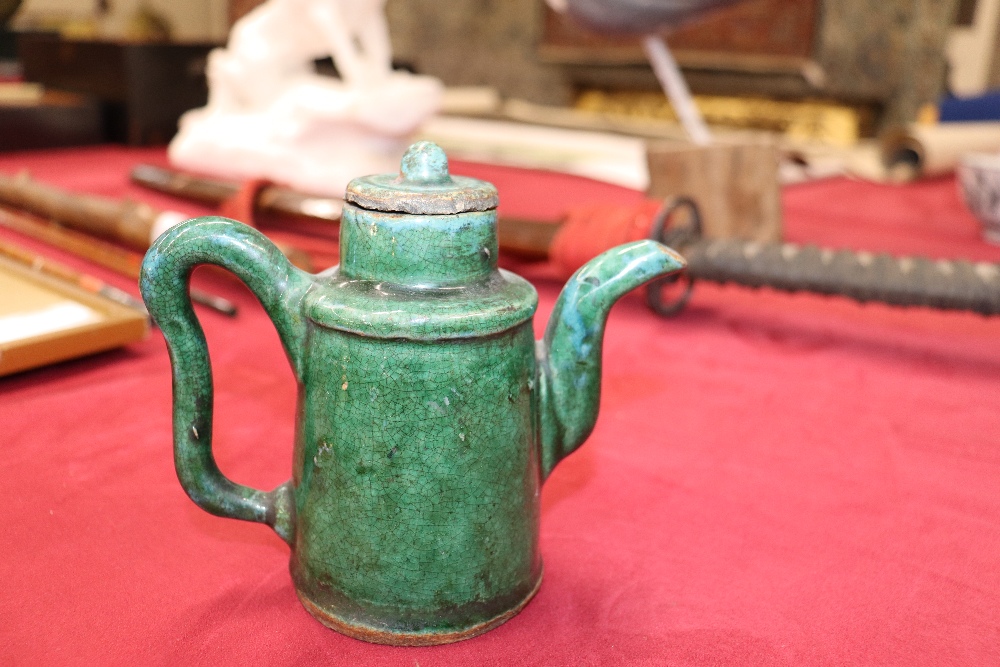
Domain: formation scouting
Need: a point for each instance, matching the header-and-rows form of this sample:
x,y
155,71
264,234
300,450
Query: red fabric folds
x,y
773,480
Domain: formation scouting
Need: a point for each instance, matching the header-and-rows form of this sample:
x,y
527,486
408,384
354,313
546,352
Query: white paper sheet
x,y
61,316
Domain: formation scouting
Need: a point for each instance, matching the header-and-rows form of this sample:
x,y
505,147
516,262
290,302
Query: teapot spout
x,y
569,357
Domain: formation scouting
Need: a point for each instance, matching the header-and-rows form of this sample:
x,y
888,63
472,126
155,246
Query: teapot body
x,y
416,467
416,483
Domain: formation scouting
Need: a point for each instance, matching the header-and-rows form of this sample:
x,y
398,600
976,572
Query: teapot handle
x,y
280,287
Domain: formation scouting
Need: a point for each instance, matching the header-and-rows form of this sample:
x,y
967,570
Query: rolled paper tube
x,y
921,151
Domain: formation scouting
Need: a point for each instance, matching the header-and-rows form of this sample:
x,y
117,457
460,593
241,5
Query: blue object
x,y
980,108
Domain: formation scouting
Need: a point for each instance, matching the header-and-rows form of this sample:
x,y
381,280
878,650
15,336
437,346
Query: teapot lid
x,y
423,186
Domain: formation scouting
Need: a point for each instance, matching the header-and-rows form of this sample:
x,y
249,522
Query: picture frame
x,y
44,320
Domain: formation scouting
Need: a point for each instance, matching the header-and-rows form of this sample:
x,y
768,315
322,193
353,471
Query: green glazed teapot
x,y
428,416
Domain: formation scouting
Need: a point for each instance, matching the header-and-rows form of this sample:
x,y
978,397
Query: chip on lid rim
x,y
423,186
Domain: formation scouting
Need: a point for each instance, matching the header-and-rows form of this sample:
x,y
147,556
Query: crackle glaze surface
x,y
418,478
428,416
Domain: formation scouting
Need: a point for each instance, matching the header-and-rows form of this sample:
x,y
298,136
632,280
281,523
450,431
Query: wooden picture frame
x,y
92,324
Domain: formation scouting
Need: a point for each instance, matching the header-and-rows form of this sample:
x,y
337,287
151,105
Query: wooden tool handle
x,y
182,184
271,198
125,262
108,255
125,221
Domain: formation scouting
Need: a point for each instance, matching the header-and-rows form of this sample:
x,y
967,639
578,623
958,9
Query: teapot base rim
x,y
388,637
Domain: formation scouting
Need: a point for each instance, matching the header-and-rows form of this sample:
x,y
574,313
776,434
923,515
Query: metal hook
x,y
674,237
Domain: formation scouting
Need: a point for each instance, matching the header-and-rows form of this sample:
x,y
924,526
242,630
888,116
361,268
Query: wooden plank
x,y
734,182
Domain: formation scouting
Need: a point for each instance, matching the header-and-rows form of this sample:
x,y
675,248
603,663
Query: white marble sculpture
x,y
269,115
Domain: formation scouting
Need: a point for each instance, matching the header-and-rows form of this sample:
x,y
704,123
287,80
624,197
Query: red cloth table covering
x,y
774,479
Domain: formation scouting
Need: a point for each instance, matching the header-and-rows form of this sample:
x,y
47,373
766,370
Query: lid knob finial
x,y
422,186
425,162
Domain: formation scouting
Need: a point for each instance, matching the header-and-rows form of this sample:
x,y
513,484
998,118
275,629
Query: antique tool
x,y
428,415
129,222
63,272
109,256
858,275
269,198
589,230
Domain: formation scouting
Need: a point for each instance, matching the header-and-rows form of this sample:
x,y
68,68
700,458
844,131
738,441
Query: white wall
x,y
970,50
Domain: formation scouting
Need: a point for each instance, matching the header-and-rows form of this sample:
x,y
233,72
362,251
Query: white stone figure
x,y
269,115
